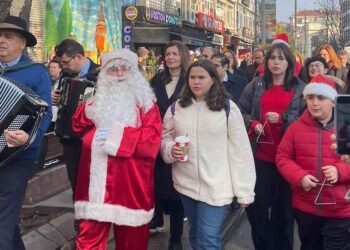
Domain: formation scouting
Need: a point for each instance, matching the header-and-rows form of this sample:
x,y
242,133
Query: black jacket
x,y
235,85
163,180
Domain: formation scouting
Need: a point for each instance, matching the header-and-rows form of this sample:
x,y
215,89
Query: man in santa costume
x,y
121,131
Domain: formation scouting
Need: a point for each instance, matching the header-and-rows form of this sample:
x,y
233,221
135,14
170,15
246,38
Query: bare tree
x,y
330,10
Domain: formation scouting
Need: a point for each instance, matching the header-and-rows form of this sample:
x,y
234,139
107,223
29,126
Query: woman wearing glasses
x,y
269,104
317,65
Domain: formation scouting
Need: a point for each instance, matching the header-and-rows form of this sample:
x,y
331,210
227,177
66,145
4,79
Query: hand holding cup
x,y
180,149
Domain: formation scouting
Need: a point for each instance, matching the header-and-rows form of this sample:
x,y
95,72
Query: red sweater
x,y
274,99
304,149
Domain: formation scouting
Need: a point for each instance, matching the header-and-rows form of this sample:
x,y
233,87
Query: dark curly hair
x,y
216,95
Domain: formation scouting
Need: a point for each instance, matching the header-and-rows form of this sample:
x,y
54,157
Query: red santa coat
x,y
115,181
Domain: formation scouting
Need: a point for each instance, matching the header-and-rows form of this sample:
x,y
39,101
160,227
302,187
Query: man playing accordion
x,y
71,55
14,175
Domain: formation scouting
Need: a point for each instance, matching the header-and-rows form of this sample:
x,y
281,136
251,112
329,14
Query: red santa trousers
x,y
93,235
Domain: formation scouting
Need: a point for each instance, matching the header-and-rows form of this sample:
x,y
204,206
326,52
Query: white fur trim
x,y
112,213
320,89
279,41
114,138
98,173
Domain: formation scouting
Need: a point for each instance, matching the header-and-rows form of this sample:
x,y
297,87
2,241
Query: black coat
x,y
235,85
163,180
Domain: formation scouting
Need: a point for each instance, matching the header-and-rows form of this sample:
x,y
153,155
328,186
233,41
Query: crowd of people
x,y
258,135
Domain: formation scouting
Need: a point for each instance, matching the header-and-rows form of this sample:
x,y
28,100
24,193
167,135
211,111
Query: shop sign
x,y
161,17
131,13
209,23
127,35
218,40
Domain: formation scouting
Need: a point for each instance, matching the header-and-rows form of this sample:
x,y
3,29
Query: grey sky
x,y
285,8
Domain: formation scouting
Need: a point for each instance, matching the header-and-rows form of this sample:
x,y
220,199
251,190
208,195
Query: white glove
x,y
101,135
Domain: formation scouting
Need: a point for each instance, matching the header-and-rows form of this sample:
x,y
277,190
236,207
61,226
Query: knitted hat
x,y
125,54
320,85
281,38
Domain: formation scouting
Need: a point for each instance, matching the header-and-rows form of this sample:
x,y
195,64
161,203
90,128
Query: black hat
x,y
19,25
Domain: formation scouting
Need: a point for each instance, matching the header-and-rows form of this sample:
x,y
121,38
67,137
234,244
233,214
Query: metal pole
x,y
255,23
295,23
263,22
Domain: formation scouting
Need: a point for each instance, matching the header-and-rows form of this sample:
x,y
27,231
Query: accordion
x,y
73,92
20,109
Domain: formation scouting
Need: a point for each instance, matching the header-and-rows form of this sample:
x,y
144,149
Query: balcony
x,y
163,6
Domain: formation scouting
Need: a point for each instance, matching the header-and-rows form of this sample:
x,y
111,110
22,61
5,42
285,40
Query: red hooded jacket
x,y
304,149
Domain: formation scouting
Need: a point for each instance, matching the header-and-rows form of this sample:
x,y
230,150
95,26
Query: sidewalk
x,y
49,224
56,232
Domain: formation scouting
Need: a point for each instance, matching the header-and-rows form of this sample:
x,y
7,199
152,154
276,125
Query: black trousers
x,y
176,212
271,215
71,156
13,185
318,232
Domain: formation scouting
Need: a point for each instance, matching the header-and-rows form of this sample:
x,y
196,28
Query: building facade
x,y
311,31
345,20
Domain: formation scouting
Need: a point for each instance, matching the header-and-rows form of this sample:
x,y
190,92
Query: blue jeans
x,y
205,223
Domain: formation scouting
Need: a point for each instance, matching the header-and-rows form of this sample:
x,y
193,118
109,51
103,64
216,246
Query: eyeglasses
x,y
67,62
315,65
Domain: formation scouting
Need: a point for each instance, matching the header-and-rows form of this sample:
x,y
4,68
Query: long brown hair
x,y
184,55
333,58
217,94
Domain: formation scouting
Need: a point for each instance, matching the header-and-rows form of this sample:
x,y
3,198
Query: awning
x,y
194,41
154,35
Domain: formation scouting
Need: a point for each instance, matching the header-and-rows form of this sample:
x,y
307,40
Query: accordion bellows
x,y
20,109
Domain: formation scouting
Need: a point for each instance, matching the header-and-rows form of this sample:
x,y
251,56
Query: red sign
x,y
209,23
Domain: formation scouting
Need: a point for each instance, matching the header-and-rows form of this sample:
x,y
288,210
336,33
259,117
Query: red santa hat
x,y
125,54
281,38
321,85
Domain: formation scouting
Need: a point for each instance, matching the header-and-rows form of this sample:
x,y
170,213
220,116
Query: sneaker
x,y
174,245
156,225
157,229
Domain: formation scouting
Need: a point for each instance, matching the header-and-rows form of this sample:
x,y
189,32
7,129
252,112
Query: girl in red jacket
x,y
317,176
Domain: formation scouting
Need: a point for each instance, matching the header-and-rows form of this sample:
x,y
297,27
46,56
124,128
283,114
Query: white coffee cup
x,y
182,142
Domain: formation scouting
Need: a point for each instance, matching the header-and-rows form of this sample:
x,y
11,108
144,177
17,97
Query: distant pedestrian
x,y
334,66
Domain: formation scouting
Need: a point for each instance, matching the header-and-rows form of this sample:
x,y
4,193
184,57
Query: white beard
x,y
120,101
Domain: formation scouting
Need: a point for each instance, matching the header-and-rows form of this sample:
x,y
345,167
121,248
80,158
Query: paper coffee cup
x,y
182,142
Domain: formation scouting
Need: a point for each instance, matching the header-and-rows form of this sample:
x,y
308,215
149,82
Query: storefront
x,y
213,26
144,26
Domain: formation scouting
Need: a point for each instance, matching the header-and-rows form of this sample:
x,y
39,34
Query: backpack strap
x,y
172,108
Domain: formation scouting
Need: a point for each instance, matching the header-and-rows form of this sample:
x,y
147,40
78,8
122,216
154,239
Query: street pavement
x,y
59,233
